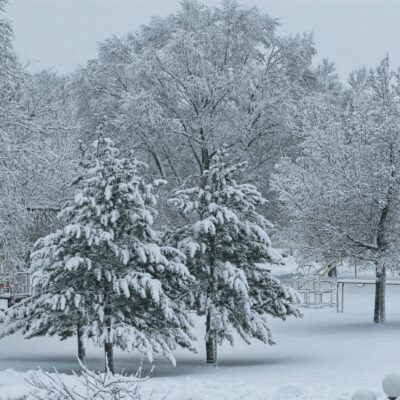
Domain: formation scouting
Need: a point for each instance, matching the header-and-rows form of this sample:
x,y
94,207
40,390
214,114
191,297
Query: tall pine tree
x,y
106,274
229,252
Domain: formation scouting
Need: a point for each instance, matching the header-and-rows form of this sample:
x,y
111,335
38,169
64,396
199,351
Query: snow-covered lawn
x,y
322,356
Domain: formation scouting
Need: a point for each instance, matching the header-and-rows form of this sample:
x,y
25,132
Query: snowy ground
x,y
322,356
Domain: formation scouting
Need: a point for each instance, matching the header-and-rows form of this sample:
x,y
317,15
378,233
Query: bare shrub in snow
x,y
91,385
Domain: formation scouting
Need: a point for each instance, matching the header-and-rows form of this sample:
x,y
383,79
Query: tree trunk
x,y
379,311
211,345
109,353
81,347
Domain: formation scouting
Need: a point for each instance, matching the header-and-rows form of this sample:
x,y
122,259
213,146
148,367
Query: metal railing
x,y
15,286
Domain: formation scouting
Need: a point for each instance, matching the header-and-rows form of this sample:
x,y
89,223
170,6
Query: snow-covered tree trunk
x,y
109,353
379,311
211,344
381,240
81,347
108,346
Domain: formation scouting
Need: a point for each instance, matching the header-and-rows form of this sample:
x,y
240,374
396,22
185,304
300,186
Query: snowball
x,y
391,385
364,394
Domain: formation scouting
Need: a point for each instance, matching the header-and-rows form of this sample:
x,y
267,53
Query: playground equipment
x,y
359,283
14,287
316,292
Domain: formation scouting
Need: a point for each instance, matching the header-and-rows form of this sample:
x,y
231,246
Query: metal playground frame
x,y
316,292
14,287
340,283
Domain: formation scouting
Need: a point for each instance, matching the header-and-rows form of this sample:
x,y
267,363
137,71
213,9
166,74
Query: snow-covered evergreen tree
x,y
105,273
229,252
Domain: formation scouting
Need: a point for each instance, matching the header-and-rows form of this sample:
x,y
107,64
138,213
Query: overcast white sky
x,y
64,33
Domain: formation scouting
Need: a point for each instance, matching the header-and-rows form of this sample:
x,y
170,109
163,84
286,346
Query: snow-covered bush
x,y
90,385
